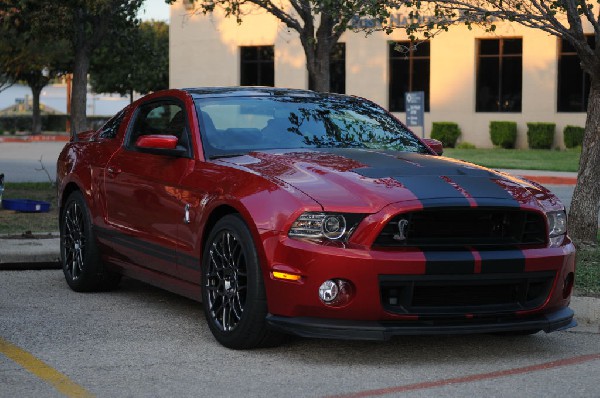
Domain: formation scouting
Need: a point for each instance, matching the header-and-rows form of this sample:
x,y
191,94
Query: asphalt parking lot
x,y
139,341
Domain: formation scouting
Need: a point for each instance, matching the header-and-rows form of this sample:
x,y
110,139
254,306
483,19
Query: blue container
x,y
26,205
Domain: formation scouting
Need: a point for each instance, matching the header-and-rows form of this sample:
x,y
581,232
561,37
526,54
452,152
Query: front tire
x,y
80,257
233,293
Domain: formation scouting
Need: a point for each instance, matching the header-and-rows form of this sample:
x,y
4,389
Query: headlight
x,y
557,227
332,226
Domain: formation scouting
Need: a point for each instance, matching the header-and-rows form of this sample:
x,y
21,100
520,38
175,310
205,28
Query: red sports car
x,y
320,215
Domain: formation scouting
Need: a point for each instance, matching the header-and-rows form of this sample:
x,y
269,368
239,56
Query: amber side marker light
x,y
285,276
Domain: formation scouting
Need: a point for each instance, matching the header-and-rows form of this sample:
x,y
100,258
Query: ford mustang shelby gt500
x,y
320,215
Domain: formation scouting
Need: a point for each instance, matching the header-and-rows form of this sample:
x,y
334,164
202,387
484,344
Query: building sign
x,y
415,108
396,20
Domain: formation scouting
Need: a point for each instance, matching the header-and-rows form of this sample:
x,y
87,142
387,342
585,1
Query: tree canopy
x,y
136,59
26,53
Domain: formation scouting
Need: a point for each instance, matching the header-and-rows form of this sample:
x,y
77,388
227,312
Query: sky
x,y
154,9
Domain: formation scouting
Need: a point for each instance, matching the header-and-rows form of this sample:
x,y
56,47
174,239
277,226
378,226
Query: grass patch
x,y
526,159
15,223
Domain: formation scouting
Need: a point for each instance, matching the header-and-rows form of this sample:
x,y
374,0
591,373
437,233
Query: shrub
x,y
540,135
446,132
573,136
465,145
503,134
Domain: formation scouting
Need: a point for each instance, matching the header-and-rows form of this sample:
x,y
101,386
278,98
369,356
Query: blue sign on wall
x,y
415,108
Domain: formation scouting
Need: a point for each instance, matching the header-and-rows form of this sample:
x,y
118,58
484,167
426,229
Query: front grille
x,y
474,227
460,294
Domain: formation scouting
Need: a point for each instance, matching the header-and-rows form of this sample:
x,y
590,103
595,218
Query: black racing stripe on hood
x,y
449,262
432,187
421,174
382,164
505,261
483,187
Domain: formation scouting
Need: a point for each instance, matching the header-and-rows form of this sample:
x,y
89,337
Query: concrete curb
x,y
551,180
587,312
20,253
35,138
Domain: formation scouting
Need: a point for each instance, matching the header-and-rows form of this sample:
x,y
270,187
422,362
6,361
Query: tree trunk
x,y
318,73
36,119
583,215
81,68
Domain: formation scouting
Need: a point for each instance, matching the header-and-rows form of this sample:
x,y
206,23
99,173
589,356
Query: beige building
x,y
469,77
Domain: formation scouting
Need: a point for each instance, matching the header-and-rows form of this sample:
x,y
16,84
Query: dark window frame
x,y
396,101
583,78
501,56
260,62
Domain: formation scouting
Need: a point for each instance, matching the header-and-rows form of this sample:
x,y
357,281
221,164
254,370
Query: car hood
x,y
361,180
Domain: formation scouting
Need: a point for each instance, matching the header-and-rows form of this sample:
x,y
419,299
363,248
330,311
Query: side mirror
x,y
160,145
435,145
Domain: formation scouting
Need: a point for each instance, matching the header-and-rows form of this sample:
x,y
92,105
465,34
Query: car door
x,y
144,202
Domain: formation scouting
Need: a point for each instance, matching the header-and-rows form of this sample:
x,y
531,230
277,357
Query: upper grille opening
x,y
474,227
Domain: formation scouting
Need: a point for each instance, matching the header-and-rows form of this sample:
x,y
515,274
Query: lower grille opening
x,y
459,294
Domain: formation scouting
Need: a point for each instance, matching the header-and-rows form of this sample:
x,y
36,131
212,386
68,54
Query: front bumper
x,y
374,330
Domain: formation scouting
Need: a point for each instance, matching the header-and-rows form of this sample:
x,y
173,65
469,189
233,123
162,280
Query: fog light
x,y
328,291
336,292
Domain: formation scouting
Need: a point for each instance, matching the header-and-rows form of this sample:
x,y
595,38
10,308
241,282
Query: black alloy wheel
x,y
80,257
233,292
226,281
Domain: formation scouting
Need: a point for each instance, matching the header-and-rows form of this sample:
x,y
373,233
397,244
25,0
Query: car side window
x,y
164,118
111,128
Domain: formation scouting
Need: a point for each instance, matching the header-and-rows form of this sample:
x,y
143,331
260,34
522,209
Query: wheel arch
x,y
66,192
225,209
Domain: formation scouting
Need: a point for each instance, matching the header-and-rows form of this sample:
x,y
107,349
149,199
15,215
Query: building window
x,y
573,82
409,71
257,66
499,75
337,70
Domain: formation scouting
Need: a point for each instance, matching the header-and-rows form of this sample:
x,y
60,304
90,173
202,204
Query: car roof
x,y
255,91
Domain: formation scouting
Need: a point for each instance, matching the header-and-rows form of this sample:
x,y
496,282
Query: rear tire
x,y
80,257
233,292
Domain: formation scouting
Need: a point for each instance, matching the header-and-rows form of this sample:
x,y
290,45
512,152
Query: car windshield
x,y
238,125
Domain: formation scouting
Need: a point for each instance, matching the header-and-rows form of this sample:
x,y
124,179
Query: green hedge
x,y
573,136
540,135
57,123
446,132
503,134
